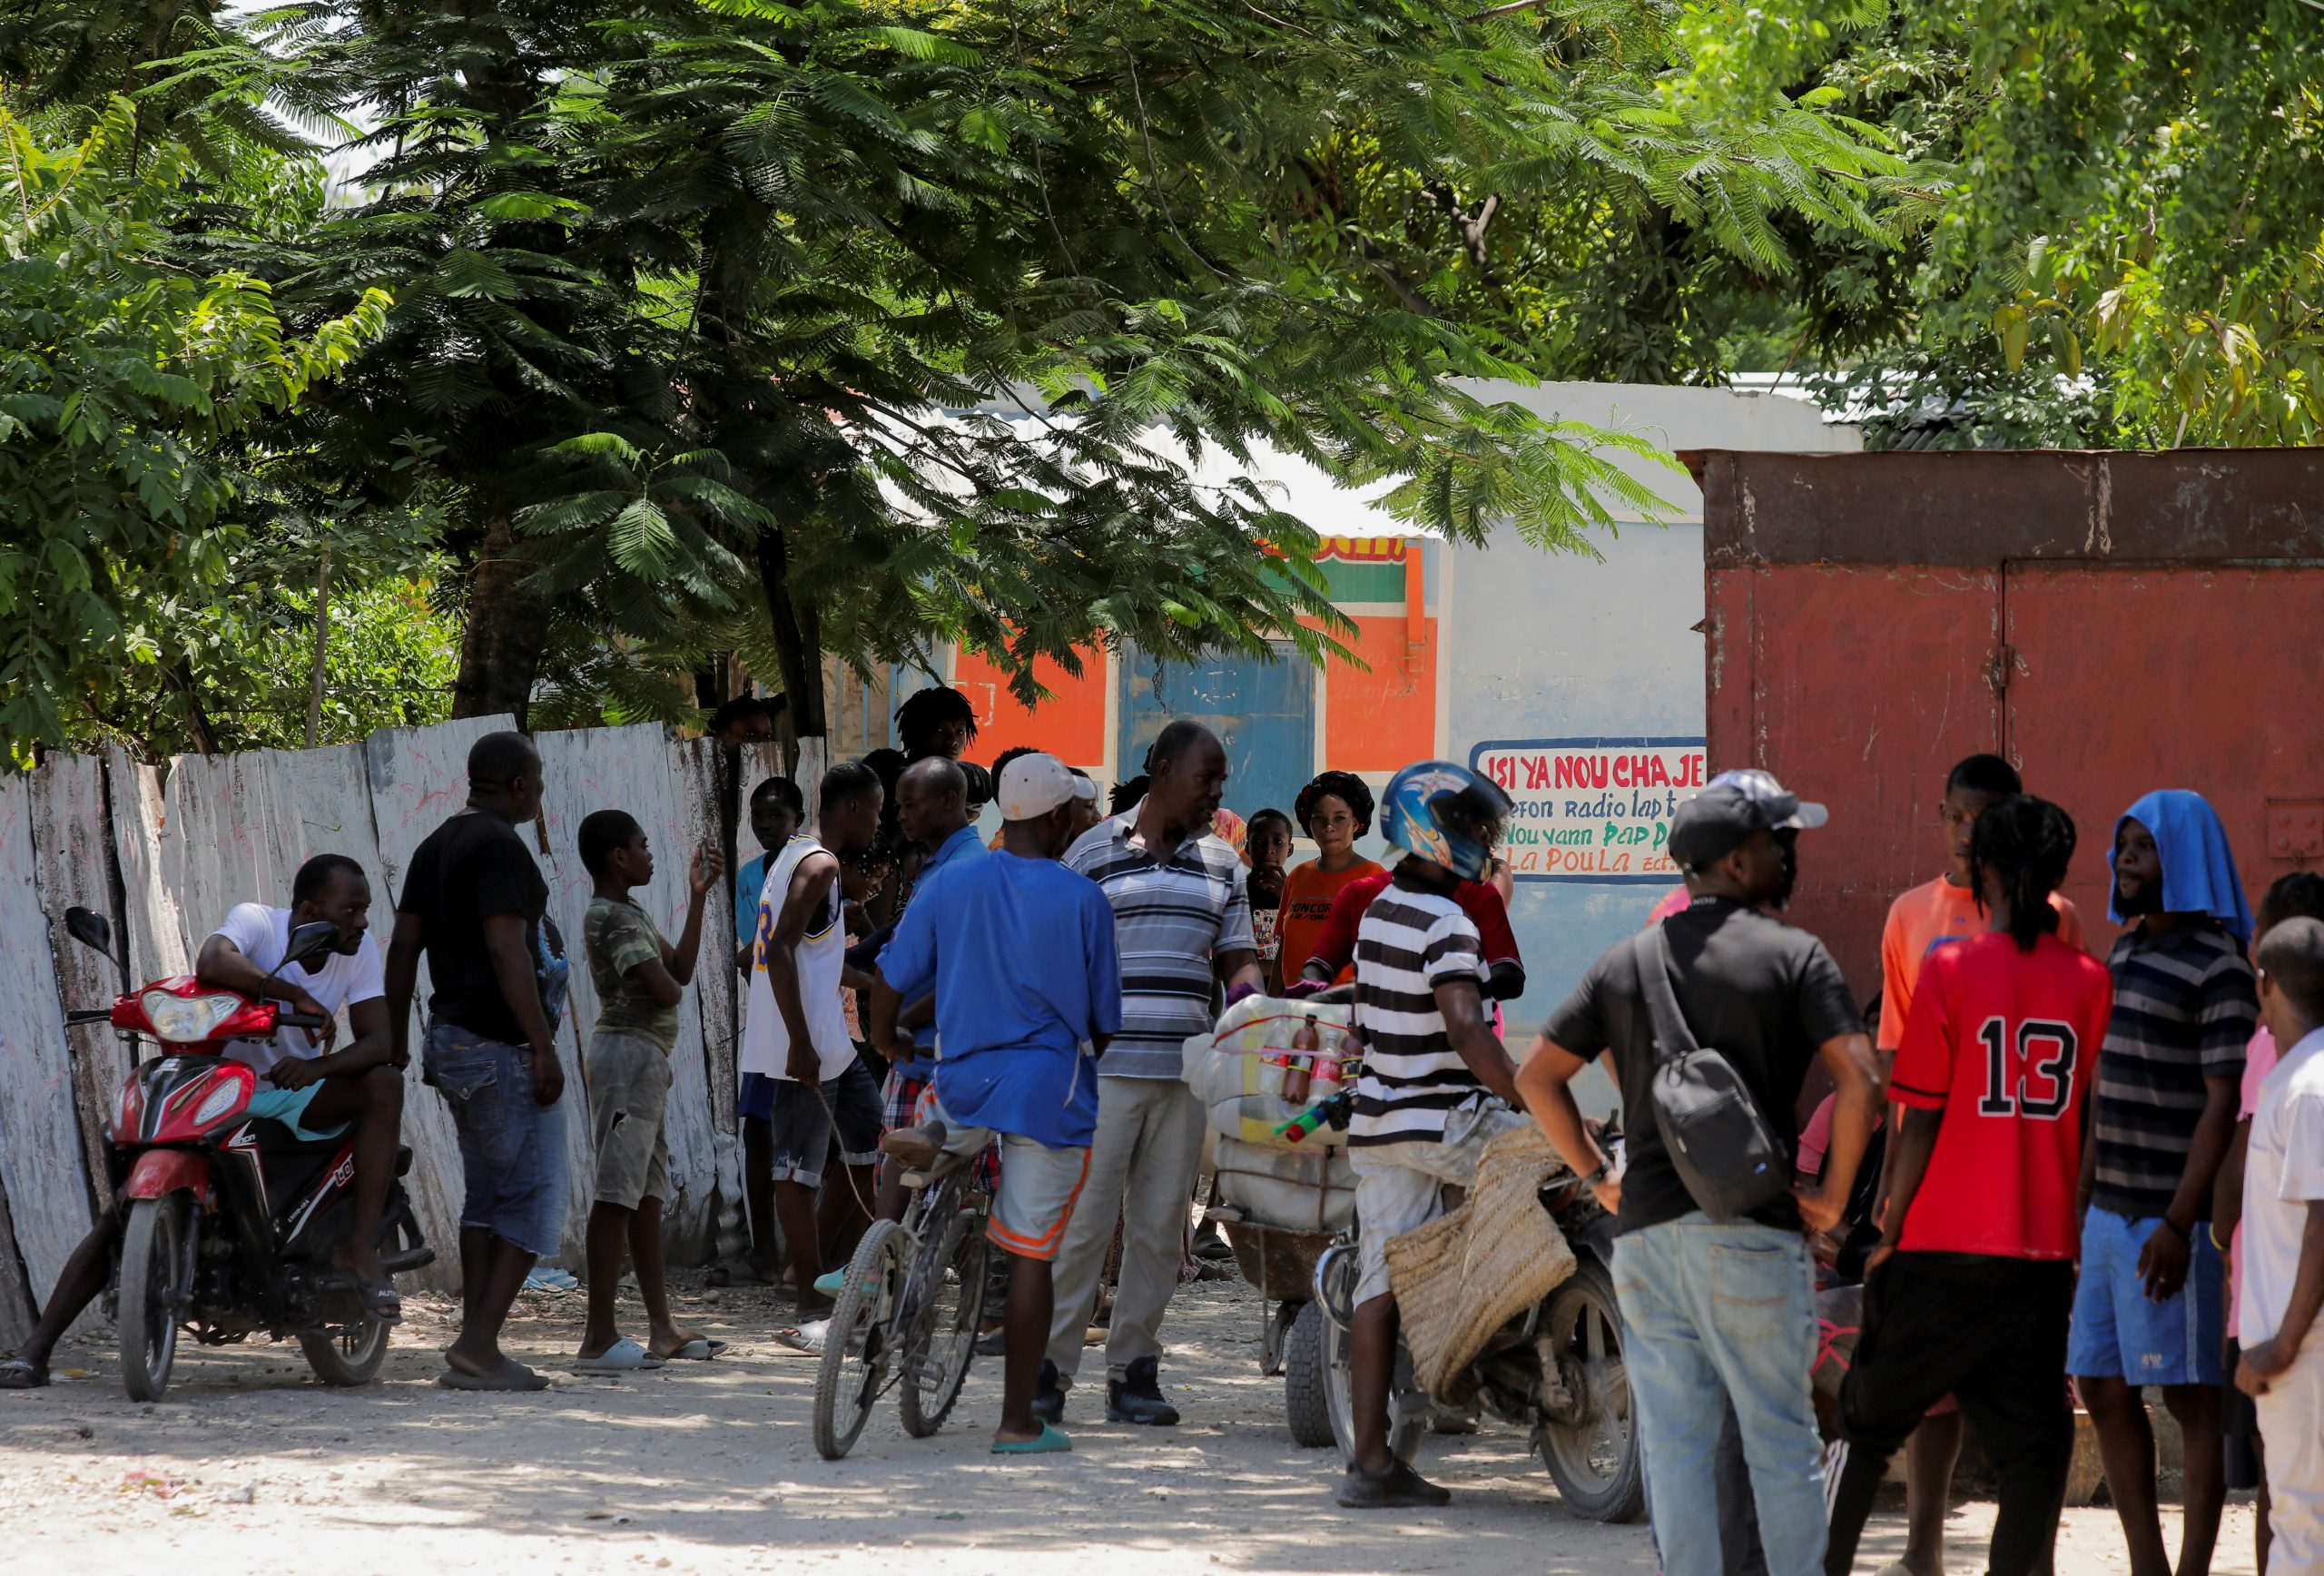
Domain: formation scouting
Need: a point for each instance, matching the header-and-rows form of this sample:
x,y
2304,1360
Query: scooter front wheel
x,y
156,1277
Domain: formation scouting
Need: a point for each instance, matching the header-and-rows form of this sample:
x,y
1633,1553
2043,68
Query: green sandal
x,y
1051,1441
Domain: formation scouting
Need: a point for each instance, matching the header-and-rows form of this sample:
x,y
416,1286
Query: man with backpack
x,y
1709,1264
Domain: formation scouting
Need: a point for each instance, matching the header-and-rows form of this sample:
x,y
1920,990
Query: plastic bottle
x,y
1298,1068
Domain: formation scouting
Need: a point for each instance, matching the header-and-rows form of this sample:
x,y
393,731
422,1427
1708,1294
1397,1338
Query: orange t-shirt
x,y
1923,920
1309,893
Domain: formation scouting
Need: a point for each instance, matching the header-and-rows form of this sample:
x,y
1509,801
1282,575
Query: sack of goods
x,y
1268,1061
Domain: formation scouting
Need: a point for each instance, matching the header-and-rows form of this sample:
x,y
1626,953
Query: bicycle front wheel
x,y
951,1316
858,1343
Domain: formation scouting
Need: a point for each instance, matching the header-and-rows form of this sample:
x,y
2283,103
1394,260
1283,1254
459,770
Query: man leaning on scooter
x,y
316,1091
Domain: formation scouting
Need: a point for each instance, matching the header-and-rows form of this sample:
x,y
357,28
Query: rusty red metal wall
x,y
2112,622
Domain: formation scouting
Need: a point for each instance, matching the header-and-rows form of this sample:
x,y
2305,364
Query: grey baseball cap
x,y
1714,823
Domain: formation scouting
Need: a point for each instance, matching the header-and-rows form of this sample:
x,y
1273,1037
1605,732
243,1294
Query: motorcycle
x,y
1555,1369
230,1222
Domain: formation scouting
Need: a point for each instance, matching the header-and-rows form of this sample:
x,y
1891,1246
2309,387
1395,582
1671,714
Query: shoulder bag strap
x,y
1672,1038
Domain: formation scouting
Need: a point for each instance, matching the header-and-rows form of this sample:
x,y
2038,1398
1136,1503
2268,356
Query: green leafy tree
x,y
718,315
2123,243
131,390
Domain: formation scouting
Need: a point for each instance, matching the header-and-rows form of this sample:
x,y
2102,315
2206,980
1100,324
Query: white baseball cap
x,y
1033,786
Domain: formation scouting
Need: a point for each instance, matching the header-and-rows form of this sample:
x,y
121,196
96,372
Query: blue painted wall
x,y
1263,712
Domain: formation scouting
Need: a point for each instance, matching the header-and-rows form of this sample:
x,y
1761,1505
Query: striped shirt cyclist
x,y
1411,942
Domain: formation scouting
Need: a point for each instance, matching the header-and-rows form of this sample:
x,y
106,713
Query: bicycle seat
x,y
946,1164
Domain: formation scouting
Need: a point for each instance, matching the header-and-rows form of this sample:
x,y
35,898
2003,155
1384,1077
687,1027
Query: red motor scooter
x,y
230,1222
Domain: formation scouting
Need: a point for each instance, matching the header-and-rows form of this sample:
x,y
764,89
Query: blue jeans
x,y
1709,1308
512,1149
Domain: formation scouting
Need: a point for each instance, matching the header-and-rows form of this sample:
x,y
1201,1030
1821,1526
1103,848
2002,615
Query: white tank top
x,y
766,1043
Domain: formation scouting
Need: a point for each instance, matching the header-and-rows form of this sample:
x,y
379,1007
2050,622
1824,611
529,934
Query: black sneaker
x,y
1048,1395
1138,1398
1399,1488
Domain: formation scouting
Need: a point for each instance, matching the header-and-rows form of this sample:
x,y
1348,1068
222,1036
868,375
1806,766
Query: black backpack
x,y
1723,1148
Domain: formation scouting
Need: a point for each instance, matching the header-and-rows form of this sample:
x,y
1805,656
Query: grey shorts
x,y
1400,1187
512,1149
1039,1187
800,1119
629,1086
854,1101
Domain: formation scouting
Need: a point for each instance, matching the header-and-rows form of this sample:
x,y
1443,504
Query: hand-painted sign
x,y
1592,810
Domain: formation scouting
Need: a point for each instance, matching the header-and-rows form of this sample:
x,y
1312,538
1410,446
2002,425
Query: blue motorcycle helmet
x,y
1446,814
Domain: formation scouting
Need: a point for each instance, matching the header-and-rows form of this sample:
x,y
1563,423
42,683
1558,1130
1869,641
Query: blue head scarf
x,y
2198,866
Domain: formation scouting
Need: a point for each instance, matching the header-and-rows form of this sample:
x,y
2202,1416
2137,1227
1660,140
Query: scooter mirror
x,y
90,928
310,940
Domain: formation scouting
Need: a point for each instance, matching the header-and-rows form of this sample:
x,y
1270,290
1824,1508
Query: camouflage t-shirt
x,y
618,937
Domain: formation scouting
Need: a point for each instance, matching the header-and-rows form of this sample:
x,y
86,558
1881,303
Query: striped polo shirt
x,y
1172,918
2185,1006
1410,943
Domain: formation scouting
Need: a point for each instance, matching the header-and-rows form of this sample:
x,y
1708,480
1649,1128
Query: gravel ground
x,y
251,1465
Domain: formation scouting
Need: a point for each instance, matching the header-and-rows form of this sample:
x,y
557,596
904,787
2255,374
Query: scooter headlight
x,y
218,1101
187,1019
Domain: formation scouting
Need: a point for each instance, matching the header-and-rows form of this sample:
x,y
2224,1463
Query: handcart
x,y
1281,1200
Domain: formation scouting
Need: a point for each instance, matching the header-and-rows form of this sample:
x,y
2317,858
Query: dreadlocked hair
x,y
2027,843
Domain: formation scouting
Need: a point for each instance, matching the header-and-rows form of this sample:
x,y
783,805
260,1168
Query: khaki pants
x,y
1141,1169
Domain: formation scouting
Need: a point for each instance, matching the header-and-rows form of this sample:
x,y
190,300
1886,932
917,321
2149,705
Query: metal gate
x,y
2111,624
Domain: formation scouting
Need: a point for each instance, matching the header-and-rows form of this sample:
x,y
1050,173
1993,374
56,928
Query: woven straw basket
x,y
1462,1276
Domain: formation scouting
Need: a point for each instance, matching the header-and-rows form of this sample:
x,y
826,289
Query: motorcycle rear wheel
x,y
156,1275
1408,1408
1600,1466
347,1354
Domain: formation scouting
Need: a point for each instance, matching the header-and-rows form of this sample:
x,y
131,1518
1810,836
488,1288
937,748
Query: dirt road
x,y
250,1465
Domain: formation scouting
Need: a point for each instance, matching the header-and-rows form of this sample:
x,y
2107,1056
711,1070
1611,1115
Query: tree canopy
x,y
629,334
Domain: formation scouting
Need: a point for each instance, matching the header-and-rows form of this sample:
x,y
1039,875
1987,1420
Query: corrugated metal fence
x,y
193,840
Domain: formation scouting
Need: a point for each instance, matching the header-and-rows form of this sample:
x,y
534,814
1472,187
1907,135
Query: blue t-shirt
x,y
1020,952
962,846
749,881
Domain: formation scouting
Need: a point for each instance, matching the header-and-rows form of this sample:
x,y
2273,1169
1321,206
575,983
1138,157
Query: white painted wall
x,y
1542,646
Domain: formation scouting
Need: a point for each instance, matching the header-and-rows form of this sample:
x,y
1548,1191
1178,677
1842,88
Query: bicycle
x,y
909,1310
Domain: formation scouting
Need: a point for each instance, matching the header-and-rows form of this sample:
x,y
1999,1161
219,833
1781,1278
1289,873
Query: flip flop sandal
x,y
510,1375
624,1356
380,1301
807,1338
1052,1440
701,1349
23,1373
831,1282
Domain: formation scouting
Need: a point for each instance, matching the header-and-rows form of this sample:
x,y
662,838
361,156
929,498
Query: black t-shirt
x,y
1759,992
474,865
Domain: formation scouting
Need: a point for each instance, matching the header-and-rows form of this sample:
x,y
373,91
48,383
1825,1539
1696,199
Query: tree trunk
x,y
797,637
508,631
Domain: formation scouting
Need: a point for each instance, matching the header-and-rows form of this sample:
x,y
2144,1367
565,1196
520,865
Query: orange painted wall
x,y
1070,727
1385,719
1377,721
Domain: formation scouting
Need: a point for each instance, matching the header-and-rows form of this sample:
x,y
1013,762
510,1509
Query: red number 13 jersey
x,y
2004,1043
